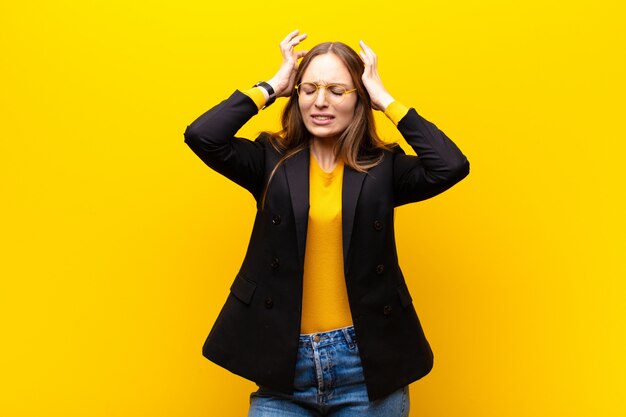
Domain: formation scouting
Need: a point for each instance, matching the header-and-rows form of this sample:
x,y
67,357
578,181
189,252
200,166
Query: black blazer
x,y
256,333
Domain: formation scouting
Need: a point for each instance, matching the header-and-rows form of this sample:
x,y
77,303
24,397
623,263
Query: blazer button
x,y
378,225
380,269
269,303
387,310
276,219
275,263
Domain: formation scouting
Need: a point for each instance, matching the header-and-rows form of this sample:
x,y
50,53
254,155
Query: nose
x,y
320,98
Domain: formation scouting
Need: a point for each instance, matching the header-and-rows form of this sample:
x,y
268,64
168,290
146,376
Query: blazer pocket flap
x,y
405,295
243,289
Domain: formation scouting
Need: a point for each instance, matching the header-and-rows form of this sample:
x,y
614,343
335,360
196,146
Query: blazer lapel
x,y
351,188
297,170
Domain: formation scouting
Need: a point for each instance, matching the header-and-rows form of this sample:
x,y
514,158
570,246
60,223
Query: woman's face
x,y
326,115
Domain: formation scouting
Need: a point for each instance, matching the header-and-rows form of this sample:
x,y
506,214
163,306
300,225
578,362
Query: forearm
x,y
395,111
212,137
438,154
258,95
217,126
439,163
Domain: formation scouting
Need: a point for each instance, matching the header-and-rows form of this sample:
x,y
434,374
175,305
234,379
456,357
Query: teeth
x,y
322,117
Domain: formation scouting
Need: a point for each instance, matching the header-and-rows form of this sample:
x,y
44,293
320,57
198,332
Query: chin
x,y
322,133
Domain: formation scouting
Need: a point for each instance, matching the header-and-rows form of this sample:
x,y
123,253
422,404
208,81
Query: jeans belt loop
x,y
346,334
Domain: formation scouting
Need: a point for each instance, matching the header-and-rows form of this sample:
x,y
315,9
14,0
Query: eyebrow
x,y
322,83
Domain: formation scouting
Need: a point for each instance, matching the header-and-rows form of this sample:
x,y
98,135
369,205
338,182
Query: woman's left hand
x,y
380,97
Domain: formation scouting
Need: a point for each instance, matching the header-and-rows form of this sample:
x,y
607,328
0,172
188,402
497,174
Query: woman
x,y
319,314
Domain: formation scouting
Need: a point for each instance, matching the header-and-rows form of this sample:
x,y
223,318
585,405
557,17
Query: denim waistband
x,y
344,335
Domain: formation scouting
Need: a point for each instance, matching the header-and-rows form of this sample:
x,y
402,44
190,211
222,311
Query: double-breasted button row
x,y
275,263
378,225
276,219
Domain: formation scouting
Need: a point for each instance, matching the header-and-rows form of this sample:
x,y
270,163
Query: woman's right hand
x,y
283,81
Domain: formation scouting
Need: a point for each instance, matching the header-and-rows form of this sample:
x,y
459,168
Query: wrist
x,y
385,101
264,91
396,111
272,82
268,92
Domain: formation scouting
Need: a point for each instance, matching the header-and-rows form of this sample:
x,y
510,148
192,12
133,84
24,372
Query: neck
x,y
322,148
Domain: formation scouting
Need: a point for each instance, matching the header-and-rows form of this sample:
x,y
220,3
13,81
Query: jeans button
x,y
316,338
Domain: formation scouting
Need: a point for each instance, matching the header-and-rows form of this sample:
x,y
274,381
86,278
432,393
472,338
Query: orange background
x,y
119,245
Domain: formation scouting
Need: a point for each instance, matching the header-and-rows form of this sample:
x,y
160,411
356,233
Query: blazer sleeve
x,y
212,137
439,163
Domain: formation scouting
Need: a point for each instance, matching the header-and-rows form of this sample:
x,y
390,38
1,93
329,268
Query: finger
x,y
370,53
287,46
365,58
300,54
367,71
366,47
295,41
285,42
366,53
298,39
291,35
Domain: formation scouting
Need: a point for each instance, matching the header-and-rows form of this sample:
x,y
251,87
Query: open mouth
x,y
322,119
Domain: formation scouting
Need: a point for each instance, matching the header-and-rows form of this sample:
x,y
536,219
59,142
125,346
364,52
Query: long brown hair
x,y
358,146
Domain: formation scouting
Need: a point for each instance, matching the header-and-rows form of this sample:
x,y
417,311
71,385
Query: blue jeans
x,y
329,382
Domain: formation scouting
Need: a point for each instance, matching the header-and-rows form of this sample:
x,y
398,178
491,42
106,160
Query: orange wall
x,y
119,245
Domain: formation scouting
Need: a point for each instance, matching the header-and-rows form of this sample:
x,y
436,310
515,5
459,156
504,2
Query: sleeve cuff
x,y
396,111
256,95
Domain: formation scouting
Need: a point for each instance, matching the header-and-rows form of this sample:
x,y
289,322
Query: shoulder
x,y
396,149
270,144
267,140
380,157
392,150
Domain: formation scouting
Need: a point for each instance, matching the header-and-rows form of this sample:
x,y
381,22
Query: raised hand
x,y
374,85
283,81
